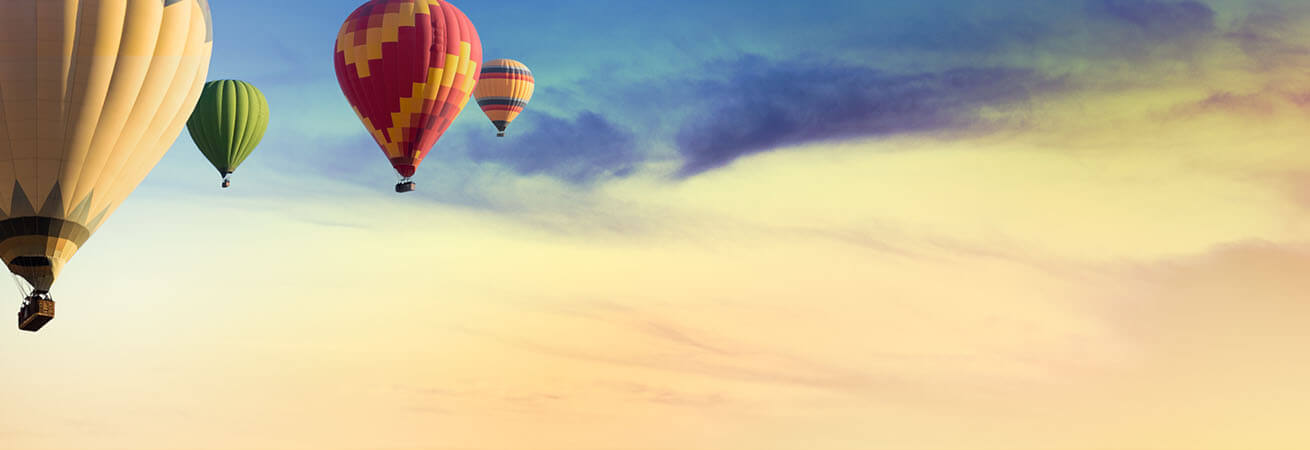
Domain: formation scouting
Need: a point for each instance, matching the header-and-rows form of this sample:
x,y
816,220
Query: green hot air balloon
x,y
228,123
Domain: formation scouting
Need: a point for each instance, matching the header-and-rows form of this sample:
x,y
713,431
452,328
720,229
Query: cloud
x,y
763,105
667,396
1226,326
1266,35
1301,190
649,325
1251,104
946,33
695,354
1246,285
1291,179
579,150
1262,104
1158,19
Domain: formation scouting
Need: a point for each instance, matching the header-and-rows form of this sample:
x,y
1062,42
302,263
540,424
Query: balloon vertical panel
x,y
91,91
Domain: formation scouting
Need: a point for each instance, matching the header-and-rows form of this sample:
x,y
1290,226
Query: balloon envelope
x,y
92,94
503,91
228,122
408,68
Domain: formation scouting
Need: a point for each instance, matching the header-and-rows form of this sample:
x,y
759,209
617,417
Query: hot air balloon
x,y
408,68
504,89
92,93
228,123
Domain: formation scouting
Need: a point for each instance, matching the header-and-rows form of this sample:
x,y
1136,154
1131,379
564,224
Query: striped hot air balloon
x,y
504,90
408,68
92,94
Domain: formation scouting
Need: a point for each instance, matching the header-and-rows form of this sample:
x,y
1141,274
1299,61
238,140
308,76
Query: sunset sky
x,y
723,225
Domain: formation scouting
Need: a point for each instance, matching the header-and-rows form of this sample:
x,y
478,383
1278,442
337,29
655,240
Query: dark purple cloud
x,y
762,105
579,150
751,105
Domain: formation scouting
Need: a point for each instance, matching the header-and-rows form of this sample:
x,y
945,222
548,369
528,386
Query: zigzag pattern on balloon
x,y
408,67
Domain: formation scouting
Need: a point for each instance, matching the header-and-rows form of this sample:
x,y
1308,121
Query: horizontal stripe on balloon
x,y
506,76
502,101
44,226
502,69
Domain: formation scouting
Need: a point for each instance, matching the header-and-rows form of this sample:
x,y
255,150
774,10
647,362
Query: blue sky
x,y
624,77
698,84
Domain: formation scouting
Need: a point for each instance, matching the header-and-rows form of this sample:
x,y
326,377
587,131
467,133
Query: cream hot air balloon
x,y
92,93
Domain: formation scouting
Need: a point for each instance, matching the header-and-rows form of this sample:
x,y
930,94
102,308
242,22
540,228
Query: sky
x,y
731,224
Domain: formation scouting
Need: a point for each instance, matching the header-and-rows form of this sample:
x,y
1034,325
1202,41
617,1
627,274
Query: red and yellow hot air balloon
x,y
504,90
408,68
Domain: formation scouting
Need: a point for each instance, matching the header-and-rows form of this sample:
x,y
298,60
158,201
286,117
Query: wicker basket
x,y
36,313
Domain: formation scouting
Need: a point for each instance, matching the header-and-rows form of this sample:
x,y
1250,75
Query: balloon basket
x,y
500,134
407,186
227,184
37,311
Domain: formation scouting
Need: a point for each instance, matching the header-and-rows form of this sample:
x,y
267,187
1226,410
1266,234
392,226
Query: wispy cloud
x,y
1212,308
1269,35
944,32
758,367
1158,19
1250,104
667,396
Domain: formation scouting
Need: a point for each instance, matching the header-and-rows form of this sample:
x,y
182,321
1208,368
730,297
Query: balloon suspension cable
x,y
24,289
